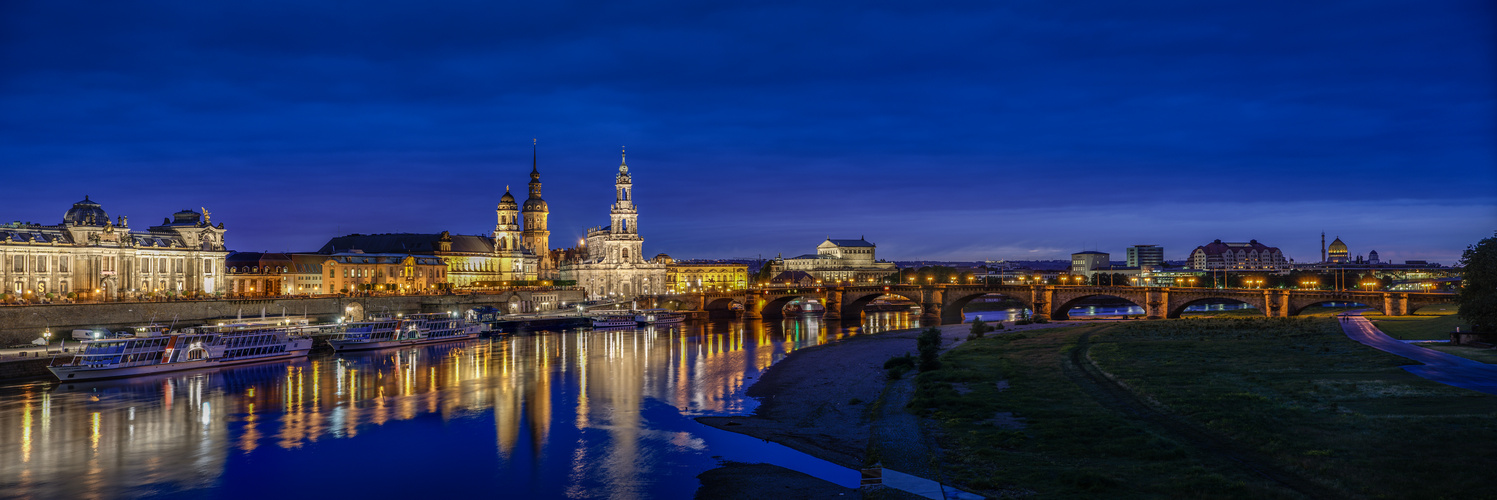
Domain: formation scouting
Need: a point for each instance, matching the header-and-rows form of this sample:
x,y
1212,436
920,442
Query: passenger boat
x,y
154,350
613,320
658,317
414,329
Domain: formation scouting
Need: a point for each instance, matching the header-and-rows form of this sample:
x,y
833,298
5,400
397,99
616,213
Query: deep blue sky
x,y
978,130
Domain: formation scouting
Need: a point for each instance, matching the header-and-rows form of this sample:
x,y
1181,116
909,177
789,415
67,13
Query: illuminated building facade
x,y
1233,256
613,264
472,261
383,273
257,274
1084,263
88,256
1337,253
838,261
694,276
1145,256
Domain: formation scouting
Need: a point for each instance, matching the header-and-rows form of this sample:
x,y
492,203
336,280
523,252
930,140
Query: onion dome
x,y
86,213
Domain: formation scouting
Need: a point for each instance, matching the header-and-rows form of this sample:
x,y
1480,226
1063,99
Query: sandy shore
x,y
817,399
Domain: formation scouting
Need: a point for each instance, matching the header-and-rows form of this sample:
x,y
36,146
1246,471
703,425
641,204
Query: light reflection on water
x,y
574,414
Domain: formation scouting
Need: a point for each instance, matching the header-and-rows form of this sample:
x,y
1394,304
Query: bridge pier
x,y
930,314
1277,303
1396,304
832,301
1040,296
1157,301
753,306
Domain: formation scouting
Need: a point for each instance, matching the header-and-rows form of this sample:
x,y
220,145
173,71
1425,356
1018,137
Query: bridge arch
x,y
952,312
852,305
1177,308
774,306
1298,307
1063,310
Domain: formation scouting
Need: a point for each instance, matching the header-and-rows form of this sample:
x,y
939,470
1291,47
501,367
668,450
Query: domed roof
x,y
535,205
507,202
1337,246
86,213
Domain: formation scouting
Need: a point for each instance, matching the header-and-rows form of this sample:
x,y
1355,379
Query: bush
x,y
978,328
906,361
1040,321
929,345
996,326
1022,322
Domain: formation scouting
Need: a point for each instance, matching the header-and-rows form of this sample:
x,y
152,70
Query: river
x,y
569,414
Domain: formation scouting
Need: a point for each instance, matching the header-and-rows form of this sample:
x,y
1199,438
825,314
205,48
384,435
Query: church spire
x,y
535,173
623,177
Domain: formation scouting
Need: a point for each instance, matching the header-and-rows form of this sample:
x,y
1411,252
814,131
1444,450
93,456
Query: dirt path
x,y
1079,367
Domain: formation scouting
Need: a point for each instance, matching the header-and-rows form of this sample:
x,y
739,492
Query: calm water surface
x,y
572,414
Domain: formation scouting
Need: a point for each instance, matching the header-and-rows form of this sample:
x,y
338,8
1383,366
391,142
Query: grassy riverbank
x,y
1430,323
1014,423
1320,412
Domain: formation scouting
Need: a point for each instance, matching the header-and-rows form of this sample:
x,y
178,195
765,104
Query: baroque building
x,y
88,256
518,249
612,261
685,276
838,261
471,261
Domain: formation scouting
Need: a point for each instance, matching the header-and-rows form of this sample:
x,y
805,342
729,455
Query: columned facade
x,y
90,257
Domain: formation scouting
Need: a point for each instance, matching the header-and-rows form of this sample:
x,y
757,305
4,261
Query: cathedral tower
x,y
507,229
536,237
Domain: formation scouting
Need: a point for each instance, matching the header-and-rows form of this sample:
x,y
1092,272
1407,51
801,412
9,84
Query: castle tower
x,y
507,229
536,237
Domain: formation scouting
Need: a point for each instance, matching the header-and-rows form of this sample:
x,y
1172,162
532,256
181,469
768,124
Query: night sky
x,y
983,130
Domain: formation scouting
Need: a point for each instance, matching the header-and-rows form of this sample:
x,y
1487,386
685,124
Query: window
x,y
20,264
161,265
41,263
62,267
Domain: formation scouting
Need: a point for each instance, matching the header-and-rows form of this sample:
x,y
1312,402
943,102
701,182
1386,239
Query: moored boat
x,y
153,350
413,329
658,317
613,320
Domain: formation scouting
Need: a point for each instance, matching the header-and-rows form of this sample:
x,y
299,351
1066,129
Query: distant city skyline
x,y
952,132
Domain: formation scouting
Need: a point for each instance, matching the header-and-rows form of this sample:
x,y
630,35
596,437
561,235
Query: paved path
x,y
1447,369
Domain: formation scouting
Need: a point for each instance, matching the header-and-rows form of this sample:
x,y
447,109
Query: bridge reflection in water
x,y
575,414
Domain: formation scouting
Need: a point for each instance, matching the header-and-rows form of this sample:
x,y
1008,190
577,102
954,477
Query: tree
x,y
929,345
1478,297
978,328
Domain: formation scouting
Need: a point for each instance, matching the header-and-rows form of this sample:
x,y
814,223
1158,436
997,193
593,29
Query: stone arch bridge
x,y
944,303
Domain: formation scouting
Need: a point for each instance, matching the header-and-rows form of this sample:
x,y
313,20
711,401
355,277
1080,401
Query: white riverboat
x,y
414,329
154,350
614,320
658,317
